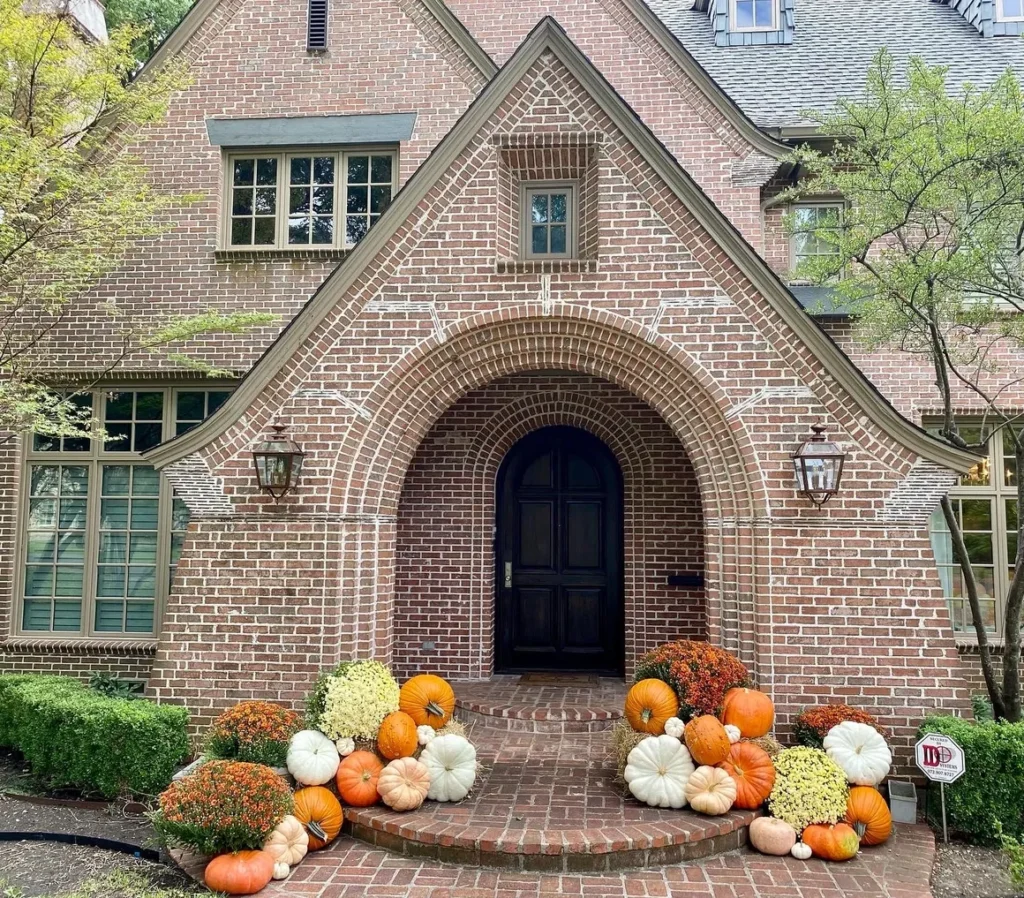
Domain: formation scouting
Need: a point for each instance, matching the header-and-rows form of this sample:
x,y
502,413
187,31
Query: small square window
x,y
1010,10
754,15
549,221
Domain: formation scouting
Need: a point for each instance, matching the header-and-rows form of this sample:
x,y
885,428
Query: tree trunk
x,y
1014,604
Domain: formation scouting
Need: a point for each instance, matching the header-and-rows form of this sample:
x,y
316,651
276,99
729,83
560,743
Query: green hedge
x,y
992,788
73,737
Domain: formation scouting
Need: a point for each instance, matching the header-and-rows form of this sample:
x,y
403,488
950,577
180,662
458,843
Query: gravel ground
x,y
969,871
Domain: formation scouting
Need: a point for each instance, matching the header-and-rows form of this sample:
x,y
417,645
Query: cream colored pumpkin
x,y
770,835
403,784
345,745
281,870
657,770
675,728
451,764
289,841
312,758
425,734
710,790
860,751
801,852
734,733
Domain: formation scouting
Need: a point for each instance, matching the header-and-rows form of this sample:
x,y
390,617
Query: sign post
x,y
942,761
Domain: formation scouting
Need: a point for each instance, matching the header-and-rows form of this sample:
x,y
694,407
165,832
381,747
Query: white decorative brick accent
x,y
754,171
767,395
199,488
914,500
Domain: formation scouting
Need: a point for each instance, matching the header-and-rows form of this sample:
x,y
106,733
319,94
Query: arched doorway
x,y
559,555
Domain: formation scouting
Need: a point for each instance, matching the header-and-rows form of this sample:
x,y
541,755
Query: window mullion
x,y
92,548
281,226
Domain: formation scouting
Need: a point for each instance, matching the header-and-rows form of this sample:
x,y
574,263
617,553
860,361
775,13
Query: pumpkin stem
x,y
435,709
316,830
646,715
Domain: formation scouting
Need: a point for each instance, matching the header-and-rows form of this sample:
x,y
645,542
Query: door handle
x,y
508,575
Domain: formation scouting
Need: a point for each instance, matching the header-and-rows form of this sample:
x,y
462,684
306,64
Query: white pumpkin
x,y
425,734
860,751
734,733
674,727
345,745
710,790
281,870
451,762
312,758
289,841
801,851
657,771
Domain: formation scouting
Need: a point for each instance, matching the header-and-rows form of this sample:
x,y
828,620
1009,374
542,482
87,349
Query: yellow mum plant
x,y
352,701
809,788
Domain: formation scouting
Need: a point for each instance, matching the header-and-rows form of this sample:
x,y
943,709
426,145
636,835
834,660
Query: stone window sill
x,y
265,255
541,266
82,644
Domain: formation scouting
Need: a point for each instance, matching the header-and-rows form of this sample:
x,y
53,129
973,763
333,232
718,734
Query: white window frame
x,y
284,157
753,29
527,191
1001,15
838,205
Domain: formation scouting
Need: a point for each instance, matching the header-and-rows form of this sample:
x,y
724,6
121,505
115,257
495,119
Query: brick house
x,y
547,402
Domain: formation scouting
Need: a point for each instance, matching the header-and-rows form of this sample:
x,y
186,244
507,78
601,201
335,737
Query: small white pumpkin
x,y
801,851
860,751
345,745
289,841
674,727
312,758
451,762
281,870
425,734
657,771
734,733
710,790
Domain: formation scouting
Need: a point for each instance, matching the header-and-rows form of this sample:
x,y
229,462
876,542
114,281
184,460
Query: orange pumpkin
x,y
868,814
837,842
427,699
649,704
752,711
396,737
320,813
752,768
357,779
241,873
707,740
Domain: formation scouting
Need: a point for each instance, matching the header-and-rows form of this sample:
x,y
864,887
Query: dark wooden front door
x,y
559,555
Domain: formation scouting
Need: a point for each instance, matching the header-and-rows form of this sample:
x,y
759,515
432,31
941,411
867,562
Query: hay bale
x,y
453,728
769,743
624,740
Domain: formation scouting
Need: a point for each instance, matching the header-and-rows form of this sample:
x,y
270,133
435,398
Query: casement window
x,y
101,531
807,218
985,503
754,15
1010,10
306,200
550,221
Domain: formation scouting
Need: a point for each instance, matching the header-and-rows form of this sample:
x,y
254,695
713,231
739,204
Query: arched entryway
x,y
558,556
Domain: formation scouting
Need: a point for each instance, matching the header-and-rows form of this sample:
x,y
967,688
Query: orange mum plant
x,y
811,726
699,672
257,732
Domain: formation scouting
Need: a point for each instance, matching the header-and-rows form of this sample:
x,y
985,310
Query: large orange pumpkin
x,y
357,779
836,842
752,711
752,768
396,737
868,814
320,813
649,704
241,873
427,699
707,740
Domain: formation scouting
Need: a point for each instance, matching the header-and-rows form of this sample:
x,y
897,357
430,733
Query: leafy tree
x,y
928,259
155,19
72,202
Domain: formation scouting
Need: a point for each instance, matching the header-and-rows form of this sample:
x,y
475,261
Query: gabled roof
x,y
549,36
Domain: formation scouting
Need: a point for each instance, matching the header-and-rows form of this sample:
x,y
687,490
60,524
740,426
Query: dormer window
x,y
757,15
1010,10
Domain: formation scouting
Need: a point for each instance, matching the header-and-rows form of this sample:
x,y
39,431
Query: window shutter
x,y
317,38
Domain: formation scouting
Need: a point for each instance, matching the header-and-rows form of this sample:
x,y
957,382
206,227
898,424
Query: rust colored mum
x,y
224,806
699,672
257,732
812,724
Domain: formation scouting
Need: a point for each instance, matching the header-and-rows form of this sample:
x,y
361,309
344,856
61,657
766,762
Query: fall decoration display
x,y
320,814
868,814
312,758
451,764
750,710
649,705
710,790
657,771
706,740
733,732
224,806
289,841
675,728
770,744
240,873
345,746
428,700
770,835
397,736
809,788
353,700
403,784
698,672
831,842
425,734
357,779
257,732
860,751
749,765
811,726
800,851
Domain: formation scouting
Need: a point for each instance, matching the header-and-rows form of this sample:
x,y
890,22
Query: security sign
x,y
940,758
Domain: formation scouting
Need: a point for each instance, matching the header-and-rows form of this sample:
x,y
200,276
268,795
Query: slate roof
x,y
834,44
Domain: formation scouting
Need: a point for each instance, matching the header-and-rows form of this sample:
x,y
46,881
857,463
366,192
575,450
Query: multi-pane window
x,y
808,220
102,530
985,504
1010,10
325,200
549,221
754,15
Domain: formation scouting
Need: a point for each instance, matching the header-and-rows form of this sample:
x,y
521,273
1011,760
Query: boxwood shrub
x,y
74,737
992,788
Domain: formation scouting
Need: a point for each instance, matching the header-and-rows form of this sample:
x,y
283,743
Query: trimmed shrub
x,y
989,798
73,737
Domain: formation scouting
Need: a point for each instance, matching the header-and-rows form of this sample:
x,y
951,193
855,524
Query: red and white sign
x,y
940,758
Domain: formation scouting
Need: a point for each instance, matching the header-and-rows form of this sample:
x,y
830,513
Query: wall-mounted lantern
x,y
818,464
278,462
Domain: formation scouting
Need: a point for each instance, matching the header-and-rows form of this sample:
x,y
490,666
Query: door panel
x,y
560,529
